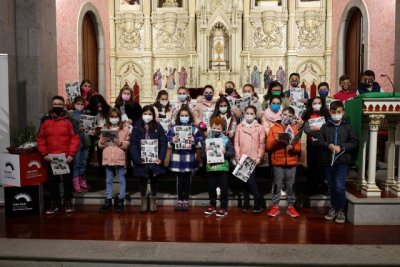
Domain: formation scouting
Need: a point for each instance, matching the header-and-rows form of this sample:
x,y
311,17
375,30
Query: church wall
x,y
381,28
68,14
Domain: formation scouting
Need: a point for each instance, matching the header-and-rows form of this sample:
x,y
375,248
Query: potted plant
x,y
26,140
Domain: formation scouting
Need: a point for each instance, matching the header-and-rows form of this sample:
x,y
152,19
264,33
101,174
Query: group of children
x,y
253,131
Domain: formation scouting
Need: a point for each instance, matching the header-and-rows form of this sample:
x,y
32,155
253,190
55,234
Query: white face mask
x,y
114,121
249,118
247,94
147,118
316,107
182,98
337,117
164,102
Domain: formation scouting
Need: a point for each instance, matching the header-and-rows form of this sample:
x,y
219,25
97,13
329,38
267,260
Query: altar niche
x,y
219,47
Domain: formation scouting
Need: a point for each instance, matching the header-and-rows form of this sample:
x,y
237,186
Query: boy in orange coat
x,y
284,160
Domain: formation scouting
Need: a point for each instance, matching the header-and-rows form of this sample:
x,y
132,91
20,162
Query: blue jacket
x,y
362,89
138,133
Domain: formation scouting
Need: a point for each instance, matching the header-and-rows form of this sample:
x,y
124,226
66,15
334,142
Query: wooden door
x,y
354,50
90,51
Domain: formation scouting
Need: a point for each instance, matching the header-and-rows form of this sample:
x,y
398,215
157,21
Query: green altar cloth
x,y
354,110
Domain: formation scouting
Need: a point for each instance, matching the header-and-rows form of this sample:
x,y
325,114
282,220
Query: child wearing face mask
x,y
162,107
218,173
183,161
223,110
114,159
86,89
203,110
80,160
369,85
294,81
346,92
275,88
316,109
272,113
250,141
148,128
284,159
337,140
130,109
248,91
183,100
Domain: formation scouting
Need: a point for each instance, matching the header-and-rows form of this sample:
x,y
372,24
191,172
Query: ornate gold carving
x,y
310,33
128,31
269,34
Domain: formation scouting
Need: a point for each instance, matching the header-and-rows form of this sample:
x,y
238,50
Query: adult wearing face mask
x,y
314,117
203,110
368,84
58,134
148,128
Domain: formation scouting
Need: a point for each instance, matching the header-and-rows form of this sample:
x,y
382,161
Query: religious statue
x,y
170,3
255,77
157,79
219,48
280,76
183,75
267,77
136,92
170,84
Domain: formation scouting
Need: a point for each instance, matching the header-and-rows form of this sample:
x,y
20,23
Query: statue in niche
x,y
280,76
136,92
267,77
170,3
157,79
170,84
183,75
219,48
255,77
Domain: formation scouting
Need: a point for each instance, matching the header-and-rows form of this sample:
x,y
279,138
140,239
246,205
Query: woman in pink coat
x,y
250,141
114,141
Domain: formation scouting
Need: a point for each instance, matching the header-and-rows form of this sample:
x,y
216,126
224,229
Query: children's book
x,y
288,137
242,103
244,168
110,136
88,123
336,156
149,150
207,112
59,164
317,122
183,133
215,150
72,90
165,123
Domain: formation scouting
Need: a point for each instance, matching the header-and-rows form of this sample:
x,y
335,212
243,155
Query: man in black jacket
x,y
337,140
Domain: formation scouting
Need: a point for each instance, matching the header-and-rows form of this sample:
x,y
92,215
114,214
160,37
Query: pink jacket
x,y
116,155
200,107
250,141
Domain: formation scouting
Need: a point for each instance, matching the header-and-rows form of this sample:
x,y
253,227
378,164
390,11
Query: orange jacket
x,y
281,155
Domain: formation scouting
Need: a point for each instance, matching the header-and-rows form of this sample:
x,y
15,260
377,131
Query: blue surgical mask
x,y
182,98
208,97
184,120
323,93
275,107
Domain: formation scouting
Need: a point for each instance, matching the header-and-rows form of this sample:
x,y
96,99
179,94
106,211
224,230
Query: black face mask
x,y
229,90
57,110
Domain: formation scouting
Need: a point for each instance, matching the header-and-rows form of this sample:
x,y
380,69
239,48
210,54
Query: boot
x,y
83,183
119,205
76,184
143,204
106,206
153,204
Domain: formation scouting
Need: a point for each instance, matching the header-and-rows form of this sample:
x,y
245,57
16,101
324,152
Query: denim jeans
x,y
109,181
80,161
287,175
336,176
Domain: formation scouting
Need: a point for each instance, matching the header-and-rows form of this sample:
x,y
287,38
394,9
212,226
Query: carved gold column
x,y
291,27
147,26
246,24
370,188
192,25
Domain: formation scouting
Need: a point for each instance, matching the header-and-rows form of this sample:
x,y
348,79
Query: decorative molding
x,y
129,31
311,30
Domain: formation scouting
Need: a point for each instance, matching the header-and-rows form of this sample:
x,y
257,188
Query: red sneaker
x,y
273,211
292,212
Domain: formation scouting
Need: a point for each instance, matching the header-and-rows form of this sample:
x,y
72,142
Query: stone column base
x,y
371,190
395,189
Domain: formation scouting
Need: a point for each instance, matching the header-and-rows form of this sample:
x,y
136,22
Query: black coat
x,y
342,135
133,111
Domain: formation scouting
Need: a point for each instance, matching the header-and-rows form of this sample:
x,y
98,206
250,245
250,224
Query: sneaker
x,y
221,213
340,217
178,206
185,205
292,212
210,210
273,211
331,215
68,208
54,208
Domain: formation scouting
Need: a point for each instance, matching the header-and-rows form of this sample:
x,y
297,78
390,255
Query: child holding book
x,y
284,159
149,129
183,161
250,141
218,173
337,140
114,152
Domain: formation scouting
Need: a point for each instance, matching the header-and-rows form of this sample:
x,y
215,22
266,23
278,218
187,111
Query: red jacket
x,y
343,96
57,135
281,156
